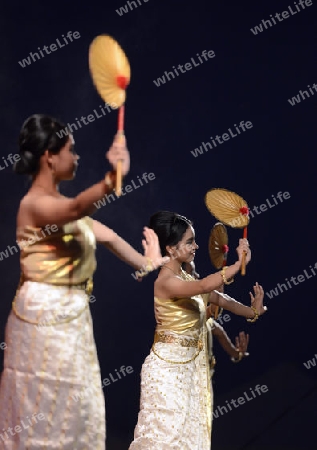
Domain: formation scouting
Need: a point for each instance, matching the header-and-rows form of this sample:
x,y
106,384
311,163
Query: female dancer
x,y
176,394
236,352
51,355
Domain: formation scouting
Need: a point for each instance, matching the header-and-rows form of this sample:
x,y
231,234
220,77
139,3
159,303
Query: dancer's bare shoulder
x,y
159,284
34,205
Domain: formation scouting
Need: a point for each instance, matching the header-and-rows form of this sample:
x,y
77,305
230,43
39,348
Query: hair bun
x,y
26,165
39,132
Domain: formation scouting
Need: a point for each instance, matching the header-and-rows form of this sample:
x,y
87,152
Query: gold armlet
x,y
223,275
110,180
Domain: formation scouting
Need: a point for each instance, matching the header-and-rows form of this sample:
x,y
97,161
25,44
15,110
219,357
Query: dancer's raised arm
x,y
57,161
173,286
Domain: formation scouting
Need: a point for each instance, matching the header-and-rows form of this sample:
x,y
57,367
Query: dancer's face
x,y
65,163
185,250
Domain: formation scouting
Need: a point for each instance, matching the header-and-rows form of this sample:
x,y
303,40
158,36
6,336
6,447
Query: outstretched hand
x,y
242,342
257,299
152,248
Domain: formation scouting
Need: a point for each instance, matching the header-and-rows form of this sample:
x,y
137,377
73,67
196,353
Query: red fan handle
x,y
122,82
119,164
245,233
121,120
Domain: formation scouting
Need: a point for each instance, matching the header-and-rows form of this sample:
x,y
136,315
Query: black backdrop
x,y
251,78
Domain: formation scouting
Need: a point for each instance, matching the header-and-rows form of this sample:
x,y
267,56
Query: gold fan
x,y
218,245
231,209
110,72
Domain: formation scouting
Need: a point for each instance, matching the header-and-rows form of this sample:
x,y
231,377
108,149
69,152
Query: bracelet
x,y
224,276
145,270
110,179
234,360
256,315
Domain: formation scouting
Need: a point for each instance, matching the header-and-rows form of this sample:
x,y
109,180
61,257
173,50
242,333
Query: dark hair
x,y
39,133
169,227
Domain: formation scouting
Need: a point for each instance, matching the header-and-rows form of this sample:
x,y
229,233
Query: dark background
x,y
251,78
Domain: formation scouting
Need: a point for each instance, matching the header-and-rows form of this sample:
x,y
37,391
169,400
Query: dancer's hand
x,y
244,248
152,248
118,151
242,342
257,299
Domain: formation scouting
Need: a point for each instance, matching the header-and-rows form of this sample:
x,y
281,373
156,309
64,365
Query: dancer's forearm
x,y
127,253
124,251
224,340
85,202
232,305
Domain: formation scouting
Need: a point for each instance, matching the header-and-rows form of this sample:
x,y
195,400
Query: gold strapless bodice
x,y
62,257
181,315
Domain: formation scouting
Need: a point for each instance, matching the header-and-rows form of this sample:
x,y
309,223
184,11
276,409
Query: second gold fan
x,y
231,209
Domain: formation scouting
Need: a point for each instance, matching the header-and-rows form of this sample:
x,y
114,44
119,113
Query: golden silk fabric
x,y
176,393
180,315
62,257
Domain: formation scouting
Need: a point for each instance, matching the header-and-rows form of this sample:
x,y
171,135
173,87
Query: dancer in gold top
x,y
236,352
176,395
51,358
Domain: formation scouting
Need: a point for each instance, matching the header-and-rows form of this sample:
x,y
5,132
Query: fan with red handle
x,y
110,72
231,209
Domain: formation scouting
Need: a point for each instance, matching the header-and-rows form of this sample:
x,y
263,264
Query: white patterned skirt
x,y
50,390
176,400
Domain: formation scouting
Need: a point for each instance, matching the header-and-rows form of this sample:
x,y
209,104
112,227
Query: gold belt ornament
x,y
170,339
183,342
87,286
212,362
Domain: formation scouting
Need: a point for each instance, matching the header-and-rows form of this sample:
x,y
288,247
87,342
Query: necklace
x,y
177,274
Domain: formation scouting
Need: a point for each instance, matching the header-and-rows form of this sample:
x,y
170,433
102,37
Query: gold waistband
x,y
183,341
87,286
